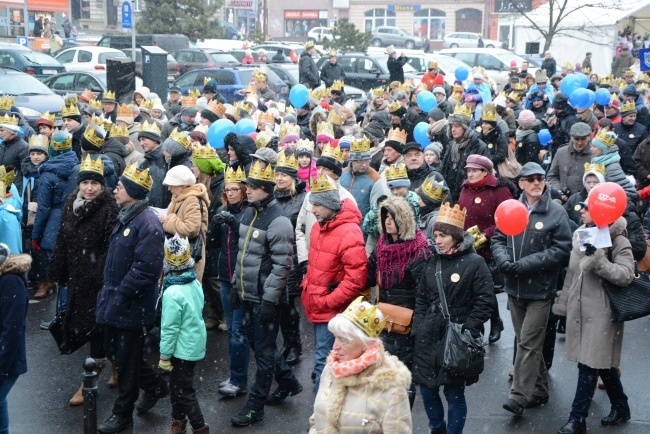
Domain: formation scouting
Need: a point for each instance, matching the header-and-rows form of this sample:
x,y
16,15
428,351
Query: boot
x,y
411,398
44,289
112,382
178,427
205,429
78,398
293,353
496,328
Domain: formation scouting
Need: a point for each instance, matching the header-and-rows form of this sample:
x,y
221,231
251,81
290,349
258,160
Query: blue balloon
x,y
568,84
602,96
426,101
420,134
299,95
461,73
218,131
582,80
579,98
592,97
244,126
544,136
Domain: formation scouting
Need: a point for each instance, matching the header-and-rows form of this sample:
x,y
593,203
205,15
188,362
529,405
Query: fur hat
x,y
403,215
177,255
5,252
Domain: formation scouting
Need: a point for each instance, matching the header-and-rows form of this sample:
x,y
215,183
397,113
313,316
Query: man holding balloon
x,y
530,246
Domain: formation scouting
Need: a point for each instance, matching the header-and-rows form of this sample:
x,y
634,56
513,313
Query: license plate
x,y
170,78
50,71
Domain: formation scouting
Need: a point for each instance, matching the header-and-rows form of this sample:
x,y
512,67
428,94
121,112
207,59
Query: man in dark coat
x,y
542,249
13,151
126,304
586,64
307,70
395,65
154,160
332,71
629,129
549,64
211,92
417,169
560,124
173,104
184,121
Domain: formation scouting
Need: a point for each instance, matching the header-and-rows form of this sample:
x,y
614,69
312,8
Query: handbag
x,y
67,342
510,168
463,355
398,319
631,302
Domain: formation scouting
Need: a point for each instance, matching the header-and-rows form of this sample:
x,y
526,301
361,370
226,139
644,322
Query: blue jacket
x,y
134,262
547,90
11,215
13,312
51,197
360,186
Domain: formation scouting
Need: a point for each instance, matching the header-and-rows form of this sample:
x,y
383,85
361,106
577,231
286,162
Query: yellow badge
x,y
455,277
521,144
577,208
256,234
539,226
490,146
631,136
477,200
127,231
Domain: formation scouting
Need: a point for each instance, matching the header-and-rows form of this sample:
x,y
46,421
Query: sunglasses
x,y
533,178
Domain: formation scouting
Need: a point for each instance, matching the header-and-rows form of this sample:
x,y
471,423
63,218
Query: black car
x,y
32,96
33,63
78,81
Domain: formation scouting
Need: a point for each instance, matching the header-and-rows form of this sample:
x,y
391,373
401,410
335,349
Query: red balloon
x,y
607,202
511,217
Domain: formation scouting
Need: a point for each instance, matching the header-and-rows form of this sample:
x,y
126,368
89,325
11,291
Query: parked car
x,y
383,36
367,71
238,54
230,81
292,51
446,64
32,62
87,58
195,58
166,42
77,82
535,62
468,40
32,96
173,67
318,34
230,31
13,46
496,61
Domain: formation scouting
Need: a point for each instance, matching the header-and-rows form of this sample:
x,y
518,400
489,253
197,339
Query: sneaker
x,y
115,423
514,407
281,394
232,391
247,417
150,399
224,382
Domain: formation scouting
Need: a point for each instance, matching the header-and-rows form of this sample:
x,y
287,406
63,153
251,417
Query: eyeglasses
x,y
533,178
231,190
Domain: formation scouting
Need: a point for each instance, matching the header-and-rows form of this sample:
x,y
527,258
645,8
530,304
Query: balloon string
x,y
514,253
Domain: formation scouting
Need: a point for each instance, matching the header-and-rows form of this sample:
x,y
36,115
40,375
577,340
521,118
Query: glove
x,y
217,219
510,268
506,266
36,245
228,218
590,249
267,312
303,267
165,365
235,301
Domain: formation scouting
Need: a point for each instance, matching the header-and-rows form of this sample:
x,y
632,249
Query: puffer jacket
x,y
338,265
469,292
225,240
51,197
366,188
455,174
159,196
527,146
614,173
242,147
291,206
542,250
307,71
12,153
265,252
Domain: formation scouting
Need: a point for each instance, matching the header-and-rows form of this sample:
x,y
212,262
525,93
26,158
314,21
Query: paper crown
x,y
463,110
194,93
331,53
489,112
95,134
586,70
216,107
407,87
250,88
9,119
124,111
338,85
109,96
266,174
333,152
206,80
360,145
90,165
181,138
70,99
259,76
643,78
148,104
452,216
38,141
628,73
182,254
95,104
378,91
334,118
6,102
70,110
201,129
266,117
206,152
520,87
642,85
61,140
322,184
290,163
433,65
305,144
433,191
478,70
620,83
149,127
515,96
606,80
309,45
234,176
394,106
325,128
262,140
50,117
603,136
241,105
365,318
628,106
137,176
188,101
7,177
315,93
592,167
396,171
119,131
397,135
87,95
458,88
288,129
325,92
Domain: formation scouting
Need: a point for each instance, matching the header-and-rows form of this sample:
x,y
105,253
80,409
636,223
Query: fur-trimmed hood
x,y
403,215
316,118
16,264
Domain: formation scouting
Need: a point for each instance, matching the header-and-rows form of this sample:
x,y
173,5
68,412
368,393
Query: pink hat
x,y
526,119
476,161
513,63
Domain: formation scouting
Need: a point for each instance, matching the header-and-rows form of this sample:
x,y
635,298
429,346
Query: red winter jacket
x,y
337,254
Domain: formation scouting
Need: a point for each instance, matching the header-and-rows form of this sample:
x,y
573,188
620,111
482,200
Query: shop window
x,y
469,20
85,9
378,17
299,23
429,23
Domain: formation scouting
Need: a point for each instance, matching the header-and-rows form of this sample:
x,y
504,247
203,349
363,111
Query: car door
x,y
87,81
188,81
84,61
469,58
62,83
348,63
184,59
369,74
201,60
66,58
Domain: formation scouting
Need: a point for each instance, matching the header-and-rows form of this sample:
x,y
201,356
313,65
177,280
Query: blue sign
x,y
644,55
22,40
126,15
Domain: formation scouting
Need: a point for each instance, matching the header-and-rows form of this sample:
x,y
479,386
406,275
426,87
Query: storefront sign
x,y
403,8
508,6
244,4
296,15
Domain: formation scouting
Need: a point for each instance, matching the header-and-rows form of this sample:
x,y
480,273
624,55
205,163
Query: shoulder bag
x,y
463,355
68,341
630,302
510,168
398,319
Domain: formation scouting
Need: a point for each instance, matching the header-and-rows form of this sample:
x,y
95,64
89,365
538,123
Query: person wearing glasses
x,y
531,262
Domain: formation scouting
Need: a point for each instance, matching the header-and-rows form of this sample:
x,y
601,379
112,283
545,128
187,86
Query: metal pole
x,y
90,397
133,30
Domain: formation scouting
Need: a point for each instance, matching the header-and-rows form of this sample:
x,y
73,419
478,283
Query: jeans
x,y
237,341
323,342
456,412
587,380
183,395
6,384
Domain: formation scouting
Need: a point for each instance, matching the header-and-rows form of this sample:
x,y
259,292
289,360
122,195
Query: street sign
x,y
126,15
22,40
147,58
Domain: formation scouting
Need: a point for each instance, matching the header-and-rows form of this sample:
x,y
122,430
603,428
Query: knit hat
x,y
177,144
210,87
580,129
345,142
560,101
399,147
413,145
526,119
435,147
179,175
177,255
290,118
331,163
604,147
142,90
5,252
267,155
475,161
438,90
630,90
438,81
189,111
324,192
436,114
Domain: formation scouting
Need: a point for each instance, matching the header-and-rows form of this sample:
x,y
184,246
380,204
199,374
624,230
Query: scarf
x,y
607,159
188,276
480,183
340,369
456,148
79,202
127,213
395,257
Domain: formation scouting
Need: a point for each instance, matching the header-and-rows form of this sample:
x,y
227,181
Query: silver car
x,y
383,36
468,40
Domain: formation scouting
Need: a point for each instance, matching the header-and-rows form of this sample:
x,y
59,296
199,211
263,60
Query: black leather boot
x,y
294,352
615,417
573,427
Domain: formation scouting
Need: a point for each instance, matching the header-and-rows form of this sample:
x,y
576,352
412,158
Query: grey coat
x,y
567,168
614,173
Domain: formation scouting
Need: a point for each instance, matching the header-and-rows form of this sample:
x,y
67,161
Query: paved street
x,y
38,402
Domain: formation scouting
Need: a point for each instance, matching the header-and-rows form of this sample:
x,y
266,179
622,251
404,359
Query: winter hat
x,y
177,255
630,90
201,104
91,168
189,111
291,118
210,86
432,193
436,114
345,142
179,175
526,119
143,91
597,174
177,144
331,158
500,101
476,161
325,192
599,142
434,147
580,129
413,145
438,89
267,155
287,164
5,252
560,101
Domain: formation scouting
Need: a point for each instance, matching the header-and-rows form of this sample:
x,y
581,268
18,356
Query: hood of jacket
x,y
61,165
244,146
113,145
349,214
28,168
197,190
403,215
16,264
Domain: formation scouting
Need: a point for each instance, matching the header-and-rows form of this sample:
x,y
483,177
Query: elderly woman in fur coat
x,y
362,388
592,339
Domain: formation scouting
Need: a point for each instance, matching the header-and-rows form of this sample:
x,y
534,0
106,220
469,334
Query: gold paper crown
x,y
217,108
435,193
305,144
232,176
70,110
458,88
405,87
397,135
629,73
70,99
266,117
643,77
137,176
335,118
627,106
394,106
7,177
61,140
309,45
325,92
325,128
514,96
179,137
586,70
360,145
146,127
50,117
338,85
606,80
178,259
331,53
290,163
478,70
592,167
91,134
322,184
124,111
365,318
119,131
620,83
87,95
6,102
250,88
262,140
378,91
194,93
609,139
258,76
148,104
463,110
614,98
489,112
333,152
9,120
642,85
95,104
396,171
520,87
315,93
433,64
188,101
452,216
206,80
206,152
241,105
288,129
260,174
109,95
90,165
38,141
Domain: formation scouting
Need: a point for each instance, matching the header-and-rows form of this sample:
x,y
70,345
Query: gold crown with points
x,y
6,102
95,104
149,127
206,152
288,129
433,191
334,118
216,107
137,176
606,137
606,80
188,101
378,91
148,104
331,53
181,138
61,140
305,144
620,83
452,216
396,171
70,110
463,110
87,95
9,119
262,140
250,88
206,80
520,87
322,184
642,86
241,105
315,93
325,92
586,70
397,135
124,111
433,65
290,163
325,128
338,85
628,106
266,117
365,318
333,152
234,176
478,70
394,106
259,76
593,167
458,88
38,141
177,259
643,78
266,174
119,131
107,122
406,87
109,96
628,73
50,117
195,93
91,134
515,96
569,66
70,98
90,165
360,145
489,112
7,177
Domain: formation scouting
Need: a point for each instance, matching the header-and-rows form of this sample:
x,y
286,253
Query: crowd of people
x,y
142,226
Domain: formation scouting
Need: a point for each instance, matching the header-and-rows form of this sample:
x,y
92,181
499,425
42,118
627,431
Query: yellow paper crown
x,y
458,88
627,106
520,87
452,216
305,144
260,174
188,101
514,96
378,91
606,80
322,184
206,80
609,139
333,152
250,88
9,120
592,167
406,87
7,177
325,128
394,106
91,135
288,129
309,45
586,70
241,105
331,53
38,141
360,145
109,95
258,76
177,259
206,152
148,104
262,140
463,110
642,85
325,92
433,191
266,117
290,163
194,93
137,176
88,95
180,137
95,104
365,318
70,110
397,135
61,140
335,118
234,176
217,108
433,65
629,73
620,83
6,102
643,77
50,117
119,131
149,127
124,111
70,99
396,171
90,165
489,112
315,93
338,85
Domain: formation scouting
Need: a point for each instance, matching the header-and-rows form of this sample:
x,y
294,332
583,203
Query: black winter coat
x,y
291,206
635,233
211,252
330,73
12,153
307,71
550,66
561,130
159,197
497,145
455,174
627,157
419,175
527,146
396,68
116,151
632,135
225,239
469,301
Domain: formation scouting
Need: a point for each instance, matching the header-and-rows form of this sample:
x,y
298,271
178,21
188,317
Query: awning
x,y
39,5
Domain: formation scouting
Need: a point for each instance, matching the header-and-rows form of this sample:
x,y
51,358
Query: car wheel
x,y
490,46
376,43
409,45
453,46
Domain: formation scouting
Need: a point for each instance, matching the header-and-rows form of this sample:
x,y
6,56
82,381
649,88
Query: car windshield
x,y
383,62
507,58
224,58
41,59
23,84
103,56
449,64
292,71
